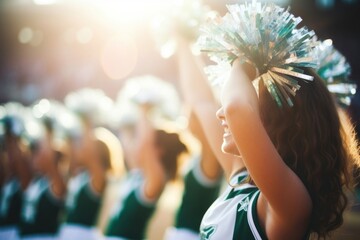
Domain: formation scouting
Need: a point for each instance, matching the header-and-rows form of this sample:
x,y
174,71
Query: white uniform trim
x,y
77,232
250,218
9,232
39,237
173,233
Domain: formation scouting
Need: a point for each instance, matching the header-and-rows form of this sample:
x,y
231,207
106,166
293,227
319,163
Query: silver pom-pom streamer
x,y
335,71
183,17
266,36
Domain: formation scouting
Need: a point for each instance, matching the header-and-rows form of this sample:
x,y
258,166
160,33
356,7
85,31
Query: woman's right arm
x,y
197,92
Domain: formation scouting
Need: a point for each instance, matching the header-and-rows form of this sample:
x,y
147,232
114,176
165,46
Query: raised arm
x,y
281,189
199,96
47,155
148,155
93,163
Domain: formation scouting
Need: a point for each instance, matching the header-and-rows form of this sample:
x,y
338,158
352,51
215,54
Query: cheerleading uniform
x,y
41,212
132,214
10,208
82,209
233,215
199,193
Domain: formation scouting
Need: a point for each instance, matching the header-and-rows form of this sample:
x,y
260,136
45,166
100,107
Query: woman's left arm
x,y
280,186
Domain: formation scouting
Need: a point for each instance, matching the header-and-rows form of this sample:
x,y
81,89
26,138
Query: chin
x,y
230,149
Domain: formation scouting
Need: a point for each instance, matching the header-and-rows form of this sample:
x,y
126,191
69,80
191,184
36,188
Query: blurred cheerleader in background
x,y
43,199
152,153
90,151
15,168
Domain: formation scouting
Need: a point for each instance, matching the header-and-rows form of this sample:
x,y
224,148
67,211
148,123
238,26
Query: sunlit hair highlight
x,y
314,143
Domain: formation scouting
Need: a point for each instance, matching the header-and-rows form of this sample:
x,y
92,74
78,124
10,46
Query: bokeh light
x,y
118,57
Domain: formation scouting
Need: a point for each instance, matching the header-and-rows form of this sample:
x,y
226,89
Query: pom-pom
x,y
161,95
184,18
264,35
335,71
92,105
12,116
62,122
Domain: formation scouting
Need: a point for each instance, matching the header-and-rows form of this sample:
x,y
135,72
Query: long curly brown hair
x,y
313,141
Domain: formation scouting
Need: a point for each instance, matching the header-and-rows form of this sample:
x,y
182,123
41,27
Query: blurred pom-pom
x,y
335,71
184,18
160,95
92,105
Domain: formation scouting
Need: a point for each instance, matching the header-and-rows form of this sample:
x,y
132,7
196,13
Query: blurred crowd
x,y
58,159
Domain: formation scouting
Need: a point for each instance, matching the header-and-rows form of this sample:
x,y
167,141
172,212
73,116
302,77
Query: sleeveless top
x,y
82,203
41,210
233,215
132,213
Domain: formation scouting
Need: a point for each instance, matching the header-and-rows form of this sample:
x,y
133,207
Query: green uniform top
x,y
82,203
199,194
41,210
132,215
233,215
10,203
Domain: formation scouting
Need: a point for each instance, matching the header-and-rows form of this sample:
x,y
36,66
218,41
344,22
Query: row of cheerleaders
x,y
58,157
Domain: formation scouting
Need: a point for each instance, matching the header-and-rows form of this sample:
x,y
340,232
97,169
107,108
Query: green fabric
x,y
132,220
82,204
233,215
196,199
242,229
86,209
45,213
10,204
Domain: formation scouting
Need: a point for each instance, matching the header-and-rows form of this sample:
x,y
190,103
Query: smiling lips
x,y
226,129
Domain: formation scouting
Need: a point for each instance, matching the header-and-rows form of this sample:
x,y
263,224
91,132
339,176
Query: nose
x,y
220,113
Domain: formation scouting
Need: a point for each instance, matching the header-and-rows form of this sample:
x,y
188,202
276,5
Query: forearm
x,y
57,184
194,85
97,176
238,89
155,179
198,93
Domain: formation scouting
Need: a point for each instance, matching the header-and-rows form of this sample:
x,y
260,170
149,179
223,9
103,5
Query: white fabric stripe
x,y
251,219
70,231
173,233
39,237
234,178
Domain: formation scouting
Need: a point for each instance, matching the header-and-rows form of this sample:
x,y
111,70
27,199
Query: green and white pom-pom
x,y
335,71
91,104
184,18
64,122
264,35
12,117
151,90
